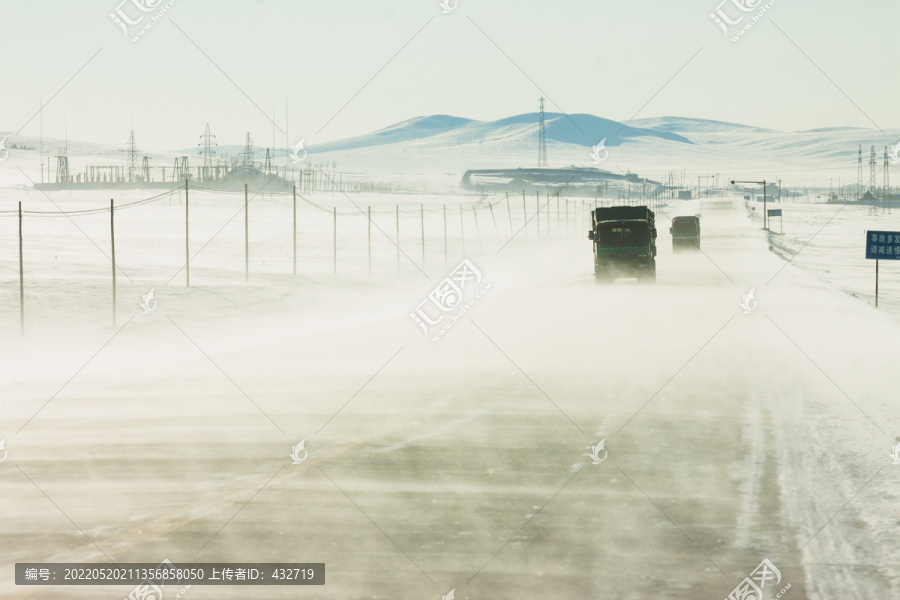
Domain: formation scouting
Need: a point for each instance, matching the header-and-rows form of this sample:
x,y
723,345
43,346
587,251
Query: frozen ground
x,y
831,237
459,464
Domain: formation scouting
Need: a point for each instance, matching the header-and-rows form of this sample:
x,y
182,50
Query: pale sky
x,y
608,58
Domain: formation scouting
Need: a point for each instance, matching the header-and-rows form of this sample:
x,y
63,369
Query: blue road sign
x,y
883,245
775,212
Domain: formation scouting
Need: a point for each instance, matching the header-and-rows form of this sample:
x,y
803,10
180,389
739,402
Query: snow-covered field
x,y
829,241
461,464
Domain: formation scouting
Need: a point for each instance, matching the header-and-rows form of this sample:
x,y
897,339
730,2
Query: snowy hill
x,y
690,126
443,147
580,129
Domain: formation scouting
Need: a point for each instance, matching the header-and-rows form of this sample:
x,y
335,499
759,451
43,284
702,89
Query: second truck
x,y
624,239
685,233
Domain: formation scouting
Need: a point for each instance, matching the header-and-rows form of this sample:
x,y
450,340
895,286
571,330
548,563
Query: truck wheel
x,y
649,275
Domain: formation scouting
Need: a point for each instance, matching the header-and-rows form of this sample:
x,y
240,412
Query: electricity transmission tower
x,y
859,173
247,154
542,139
207,151
886,189
872,164
132,157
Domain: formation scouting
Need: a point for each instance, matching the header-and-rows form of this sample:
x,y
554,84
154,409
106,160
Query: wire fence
x,y
186,237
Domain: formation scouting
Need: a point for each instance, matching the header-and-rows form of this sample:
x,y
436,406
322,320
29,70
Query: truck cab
x,y
685,233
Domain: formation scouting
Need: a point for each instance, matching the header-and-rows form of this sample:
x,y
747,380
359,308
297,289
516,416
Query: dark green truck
x,y
624,240
685,233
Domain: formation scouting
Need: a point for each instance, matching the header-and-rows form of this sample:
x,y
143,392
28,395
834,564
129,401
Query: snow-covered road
x,y
464,464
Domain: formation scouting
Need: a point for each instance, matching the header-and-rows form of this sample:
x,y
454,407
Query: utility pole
x,y
112,240
295,228
187,249
246,236
21,277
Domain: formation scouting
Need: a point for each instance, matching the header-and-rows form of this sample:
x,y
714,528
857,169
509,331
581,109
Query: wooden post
x,y
445,235
524,215
295,229
21,277
112,240
334,249
370,240
509,212
422,219
246,235
187,246
397,218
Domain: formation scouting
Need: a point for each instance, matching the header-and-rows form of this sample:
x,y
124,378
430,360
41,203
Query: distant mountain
x,y
435,131
446,146
579,129
405,131
690,126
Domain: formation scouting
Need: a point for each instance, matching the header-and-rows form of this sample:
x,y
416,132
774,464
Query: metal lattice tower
x,y
207,148
542,139
872,164
145,169
268,162
181,170
62,165
247,154
886,190
62,162
859,174
132,157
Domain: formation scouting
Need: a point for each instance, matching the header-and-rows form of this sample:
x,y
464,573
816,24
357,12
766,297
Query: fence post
x,y
548,215
187,246
370,239
295,229
112,239
246,236
334,250
524,215
21,277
